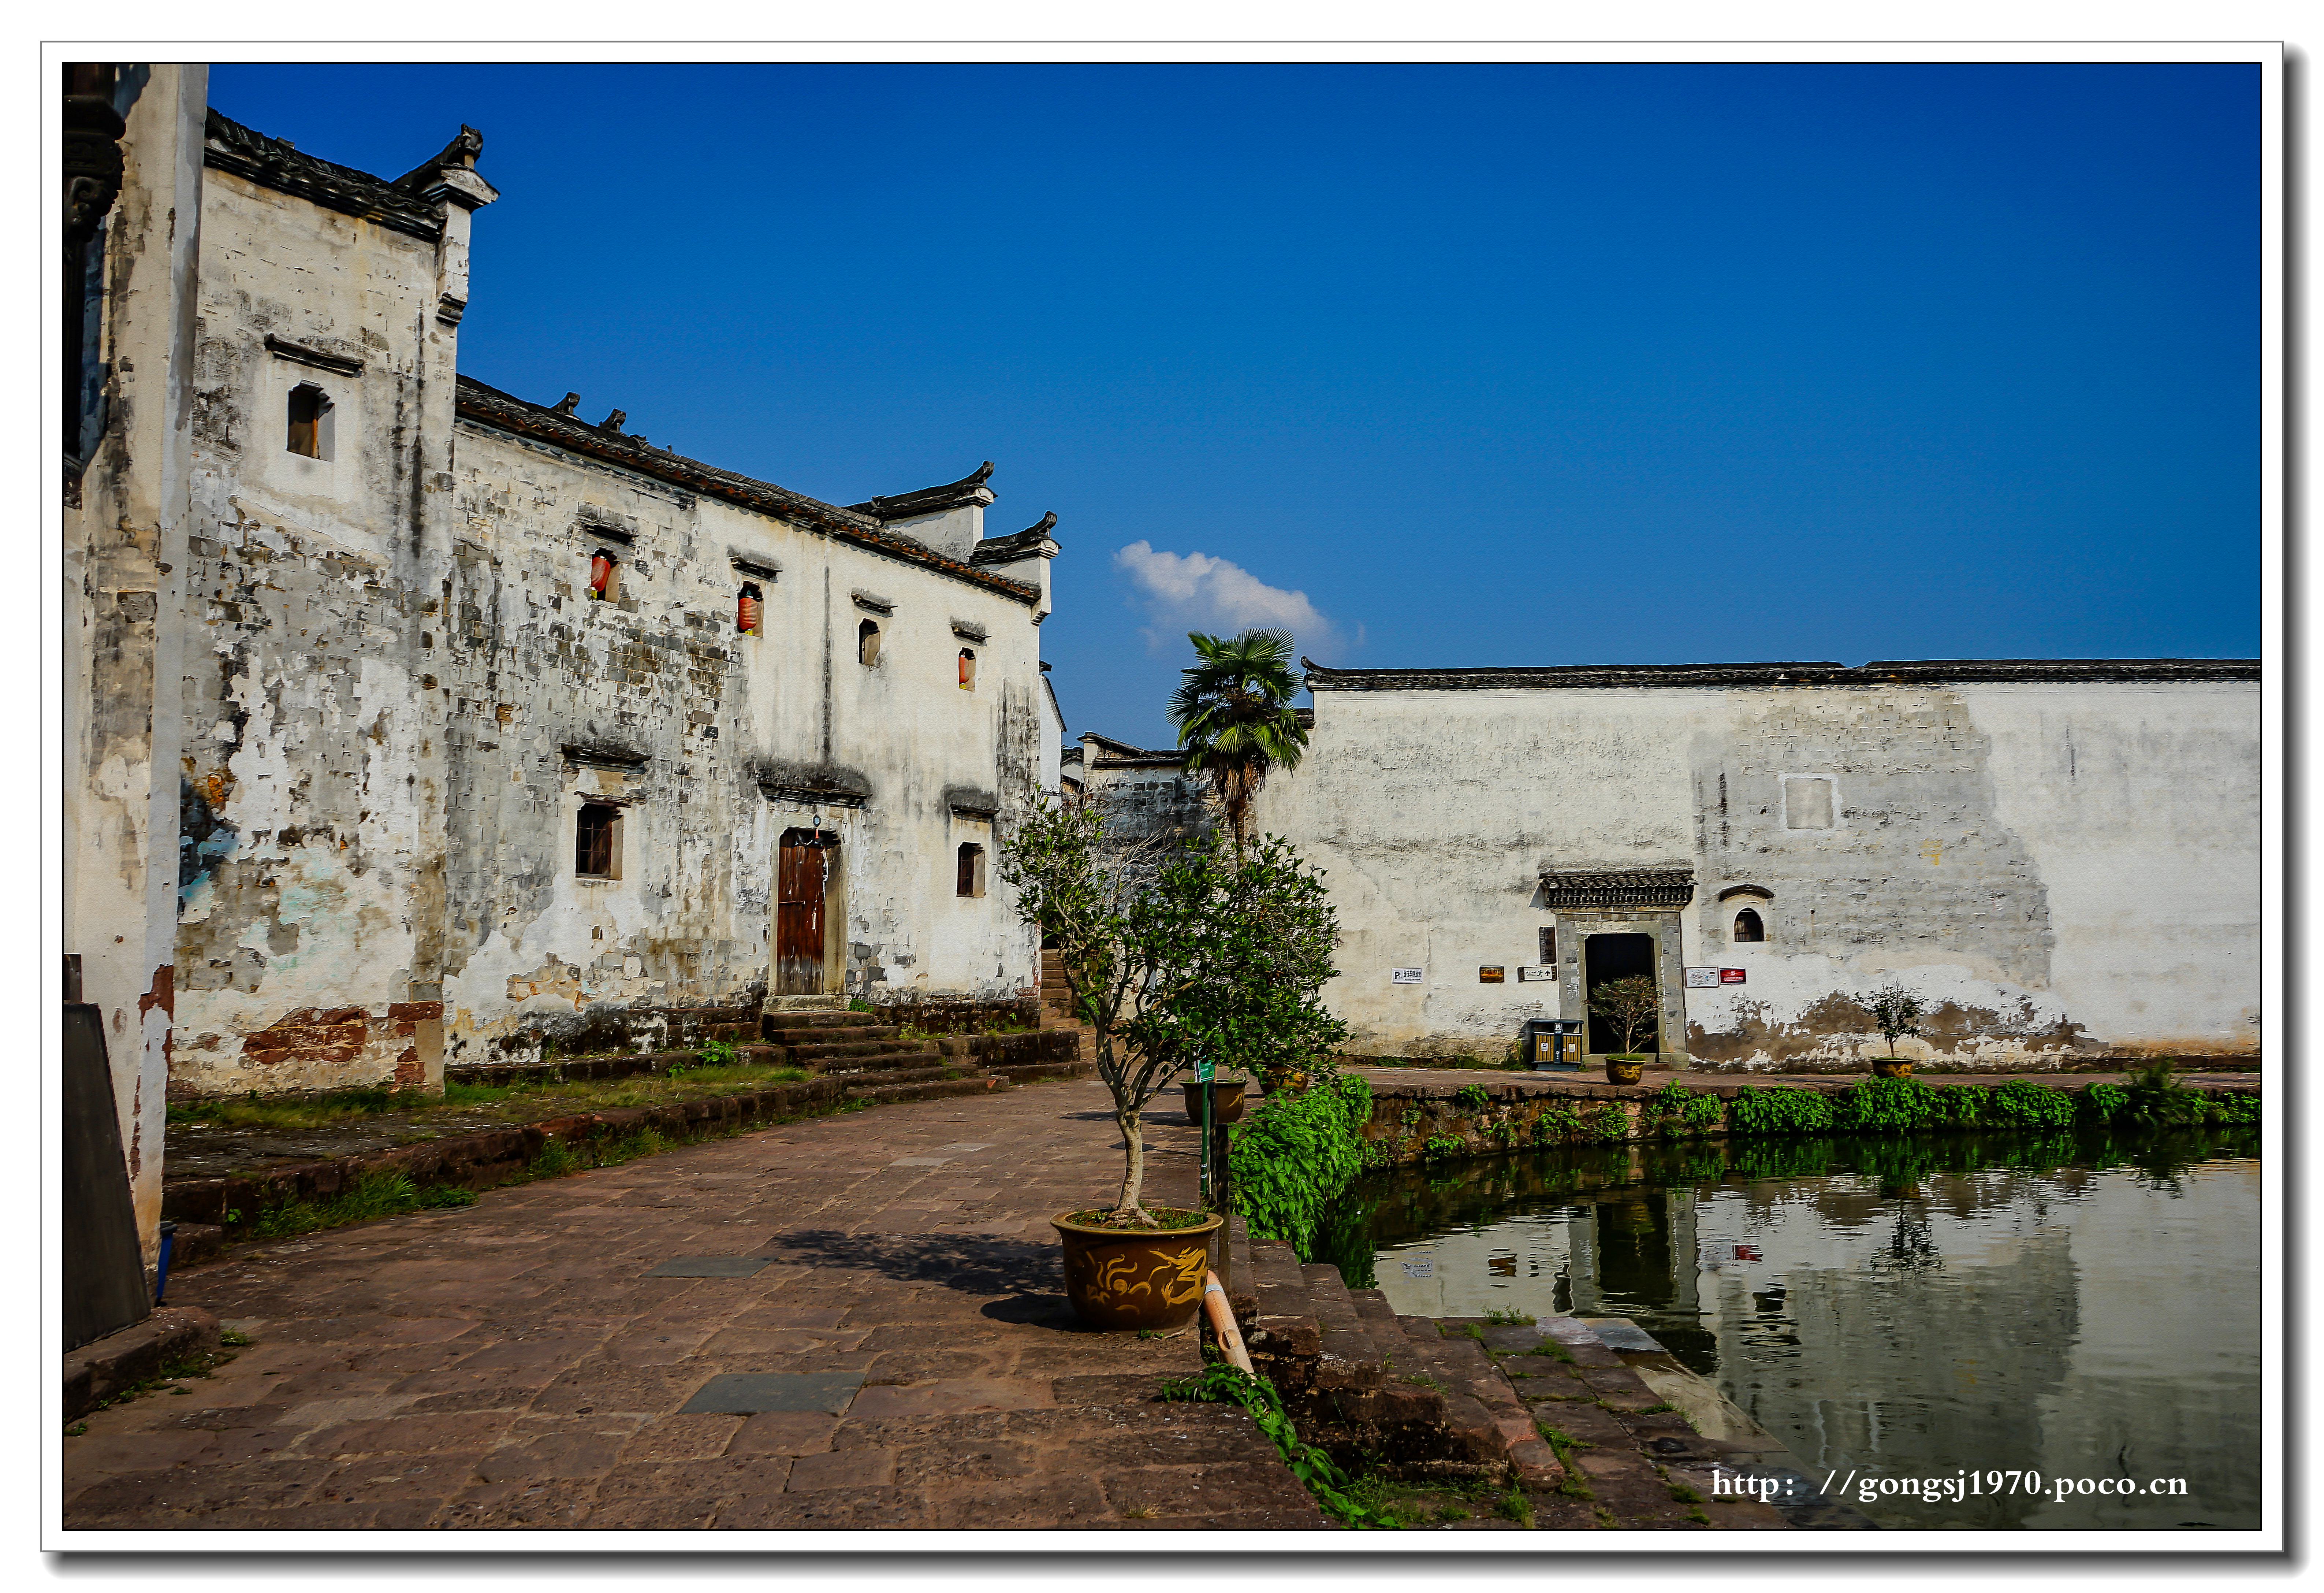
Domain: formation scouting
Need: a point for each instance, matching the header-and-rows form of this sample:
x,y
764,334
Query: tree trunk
x,y
1133,1174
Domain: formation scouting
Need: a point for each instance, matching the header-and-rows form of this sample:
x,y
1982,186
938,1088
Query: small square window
x,y
597,841
968,669
969,880
604,580
749,606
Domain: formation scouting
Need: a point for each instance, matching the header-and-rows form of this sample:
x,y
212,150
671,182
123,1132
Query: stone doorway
x,y
807,876
1607,957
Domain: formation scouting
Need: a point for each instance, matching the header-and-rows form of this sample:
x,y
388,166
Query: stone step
x,y
780,1032
808,1055
1035,1072
923,1070
850,1069
933,1090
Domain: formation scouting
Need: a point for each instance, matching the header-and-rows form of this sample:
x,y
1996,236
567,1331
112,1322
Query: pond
x,y
1938,1308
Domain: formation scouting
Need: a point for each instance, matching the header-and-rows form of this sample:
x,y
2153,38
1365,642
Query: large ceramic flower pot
x,y
1891,1068
1121,1279
1226,1100
1623,1069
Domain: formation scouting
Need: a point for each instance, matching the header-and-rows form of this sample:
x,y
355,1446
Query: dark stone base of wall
x,y
104,1367
954,1015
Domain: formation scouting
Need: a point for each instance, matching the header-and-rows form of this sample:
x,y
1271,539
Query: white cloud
x,y
1186,592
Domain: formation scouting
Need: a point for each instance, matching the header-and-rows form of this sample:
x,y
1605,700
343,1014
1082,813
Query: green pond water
x,y
1924,1311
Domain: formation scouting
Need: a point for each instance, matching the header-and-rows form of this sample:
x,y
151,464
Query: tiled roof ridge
x,y
488,405
1879,672
273,162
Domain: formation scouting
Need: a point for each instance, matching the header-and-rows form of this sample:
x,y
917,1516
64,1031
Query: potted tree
x,y
1630,1007
1895,1013
1171,952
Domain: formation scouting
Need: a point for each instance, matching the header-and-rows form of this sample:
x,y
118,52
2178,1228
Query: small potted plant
x,y
1631,1007
1895,1013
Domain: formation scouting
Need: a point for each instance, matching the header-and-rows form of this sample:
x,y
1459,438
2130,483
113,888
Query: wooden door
x,y
803,883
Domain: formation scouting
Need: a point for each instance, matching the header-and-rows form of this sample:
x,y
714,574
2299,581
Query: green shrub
x,y
2022,1104
1608,1122
1780,1111
1472,1097
2234,1109
1437,1146
1888,1105
1291,1157
1674,1111
1556,1122
2103,1103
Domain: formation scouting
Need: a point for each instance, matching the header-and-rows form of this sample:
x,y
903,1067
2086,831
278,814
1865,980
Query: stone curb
x,y
103,1367
475,1159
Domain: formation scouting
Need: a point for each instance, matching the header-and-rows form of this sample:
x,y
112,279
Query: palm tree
x,y
1235,718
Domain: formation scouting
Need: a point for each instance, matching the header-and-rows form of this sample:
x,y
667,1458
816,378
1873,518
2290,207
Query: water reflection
x,y
2078,1306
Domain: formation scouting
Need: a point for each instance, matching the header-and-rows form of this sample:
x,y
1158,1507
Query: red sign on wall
x,y
1730,975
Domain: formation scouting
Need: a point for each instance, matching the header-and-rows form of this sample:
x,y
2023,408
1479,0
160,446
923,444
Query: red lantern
x,y
601,576
746,611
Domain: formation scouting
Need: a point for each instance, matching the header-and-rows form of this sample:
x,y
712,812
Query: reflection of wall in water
x,y
2164,1382
1915,1348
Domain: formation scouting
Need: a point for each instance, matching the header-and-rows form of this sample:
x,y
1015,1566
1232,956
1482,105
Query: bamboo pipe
x,y
1223,1324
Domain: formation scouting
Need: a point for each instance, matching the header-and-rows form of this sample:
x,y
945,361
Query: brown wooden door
x,y
802,880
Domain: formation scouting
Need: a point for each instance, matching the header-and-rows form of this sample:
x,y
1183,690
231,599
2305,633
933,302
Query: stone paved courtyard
x,y
512,1364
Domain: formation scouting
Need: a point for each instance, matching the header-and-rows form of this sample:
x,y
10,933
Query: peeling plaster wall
x,y
2059,870
314,790
123,567
725,720
399,690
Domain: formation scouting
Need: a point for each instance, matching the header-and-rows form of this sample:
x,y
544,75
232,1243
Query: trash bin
x,y
1553,1045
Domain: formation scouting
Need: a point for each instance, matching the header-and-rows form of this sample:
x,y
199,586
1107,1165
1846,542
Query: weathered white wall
x,y
123,563
2058,868
390,652
309,949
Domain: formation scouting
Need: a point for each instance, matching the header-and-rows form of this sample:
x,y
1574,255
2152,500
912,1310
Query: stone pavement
x,y
1592,1080
511,1364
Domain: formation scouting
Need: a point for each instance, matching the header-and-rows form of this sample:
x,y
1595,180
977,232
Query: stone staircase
x,y
872,1061
1057,1008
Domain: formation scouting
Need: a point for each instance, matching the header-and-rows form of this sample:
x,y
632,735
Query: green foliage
x,y
2158,1100
1438,1146
1234,716
1472,1097
1606,1123
1223,1384
2102,1103
2022,1104
1172,956
1780,1111
232,1338
1509,1318
1675,1111
856,1004
445,1197
1886,1106
1631,1007
2234,1109
1289,1159
1555,1121
718,1053
1894,1011
556,1160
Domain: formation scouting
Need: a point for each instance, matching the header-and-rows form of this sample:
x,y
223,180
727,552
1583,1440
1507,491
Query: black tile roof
x,y
930,500
489,406
1033,541
229,146
1927,671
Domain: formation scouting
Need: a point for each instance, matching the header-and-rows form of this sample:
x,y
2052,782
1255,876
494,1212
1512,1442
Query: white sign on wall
x,y
1703,979
1404,976
1539,970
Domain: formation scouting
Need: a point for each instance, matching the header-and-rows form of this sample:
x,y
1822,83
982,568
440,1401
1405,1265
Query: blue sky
x,y
1468,364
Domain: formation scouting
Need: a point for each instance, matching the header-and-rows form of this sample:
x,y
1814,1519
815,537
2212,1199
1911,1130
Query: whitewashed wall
x,y
2060,868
